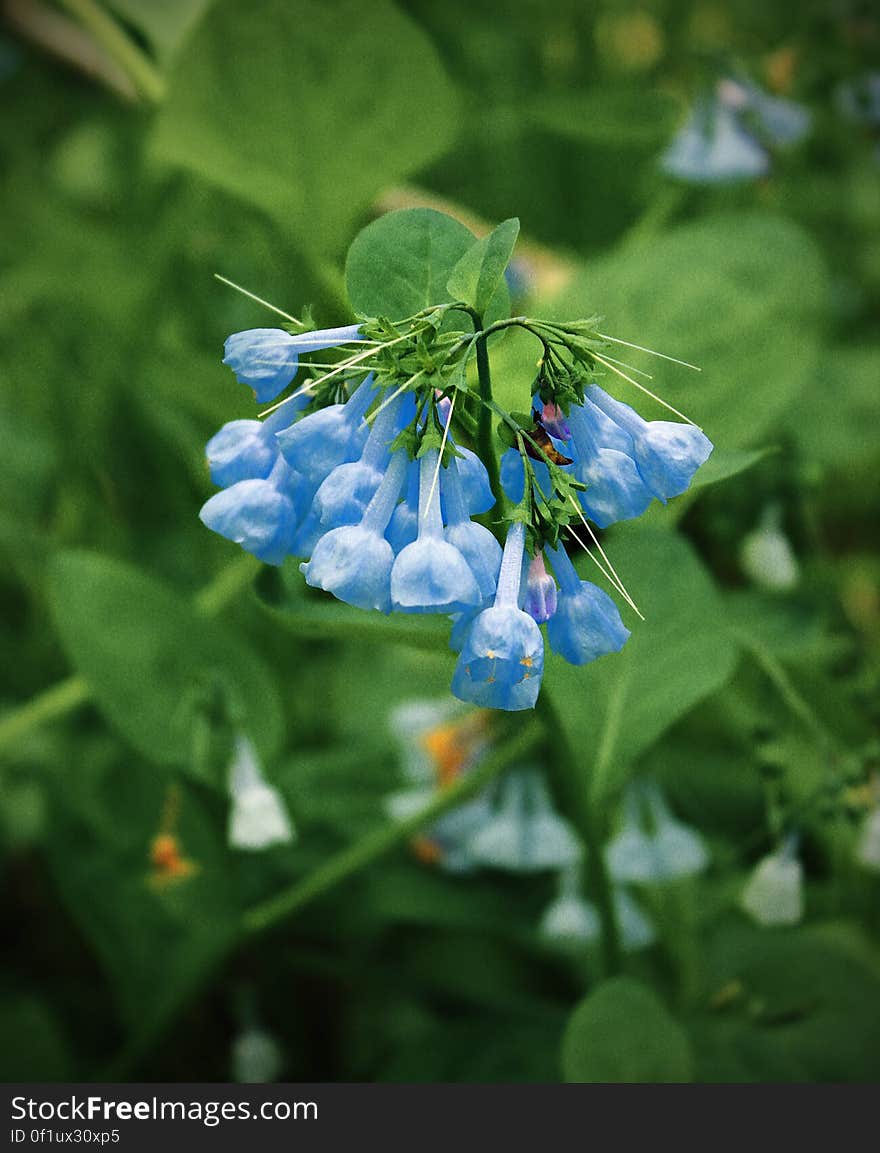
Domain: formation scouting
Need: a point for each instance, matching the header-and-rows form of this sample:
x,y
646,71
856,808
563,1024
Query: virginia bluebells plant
x,y
380,474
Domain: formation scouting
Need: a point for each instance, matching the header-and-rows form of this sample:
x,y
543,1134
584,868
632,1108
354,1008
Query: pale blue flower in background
x,y
525,834
774,893
258,817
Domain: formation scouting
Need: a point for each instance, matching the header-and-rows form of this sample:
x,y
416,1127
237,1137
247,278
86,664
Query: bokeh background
x,y
253,139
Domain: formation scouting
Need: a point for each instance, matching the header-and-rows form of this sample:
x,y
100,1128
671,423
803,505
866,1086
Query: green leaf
x,y
622,1033
402,262
717,293
725,463
148,657
476,277
297,108
621,704
165,23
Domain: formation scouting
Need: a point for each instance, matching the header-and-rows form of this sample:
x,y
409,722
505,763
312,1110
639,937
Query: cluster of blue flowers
x,y
383,514
725,135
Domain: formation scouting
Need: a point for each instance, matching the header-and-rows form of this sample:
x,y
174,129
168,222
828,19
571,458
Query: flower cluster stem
x,y
565,769
485,439
367,850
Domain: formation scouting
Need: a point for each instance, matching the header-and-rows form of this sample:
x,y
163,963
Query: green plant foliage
x,y
330,135
681,653
147,655
419,249
623,1032
477,276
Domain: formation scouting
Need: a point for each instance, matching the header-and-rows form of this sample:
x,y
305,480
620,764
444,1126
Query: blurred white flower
x,y
256,1057
636,930
766,555
662,851
569,921
258,817
868,844
525,833
774,893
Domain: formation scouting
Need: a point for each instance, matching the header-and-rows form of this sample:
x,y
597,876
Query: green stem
x,y
564,762
69,694
485,440
56,702
375,845
117,44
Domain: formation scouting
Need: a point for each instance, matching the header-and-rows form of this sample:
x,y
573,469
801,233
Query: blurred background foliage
x,y
253,142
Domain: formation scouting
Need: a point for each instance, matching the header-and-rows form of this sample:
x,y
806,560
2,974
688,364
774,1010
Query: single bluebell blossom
x,y
712,147
404,525
477,545
766,555
431,575
475,484
331,436
354,561
539,600
774,893
586,624
570,922
247,449
666,851
554,422
667,453
258,817
345,492
615,488
256,1057
259,515
502,658
513,476
526,834
267,359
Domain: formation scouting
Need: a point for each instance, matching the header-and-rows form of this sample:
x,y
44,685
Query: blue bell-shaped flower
x,y
586,624
259,515
329,437
267,359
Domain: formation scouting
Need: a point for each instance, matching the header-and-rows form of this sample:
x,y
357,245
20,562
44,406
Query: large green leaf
x,y
618,706
476,277
148,656
402,262
298,108
622,1032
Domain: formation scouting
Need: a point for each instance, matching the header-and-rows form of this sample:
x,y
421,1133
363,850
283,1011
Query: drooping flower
x,y
570,921
431,575
664,851
615,489
712,147
247,449
259,515
476,544
502,656
666,453
525,834
346,491
403,528
774,893
587,623
267,359
636,930
258,817
322,440
766,555
540,593
354,561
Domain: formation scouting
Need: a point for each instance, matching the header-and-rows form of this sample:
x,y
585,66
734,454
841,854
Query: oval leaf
x,y
476,277
147,655
622,1033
